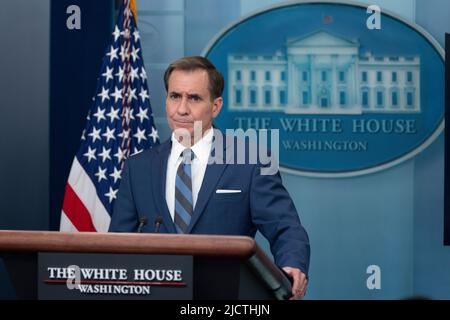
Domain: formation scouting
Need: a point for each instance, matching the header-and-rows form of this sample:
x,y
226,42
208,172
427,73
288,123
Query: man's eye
x,y
195,98
174,96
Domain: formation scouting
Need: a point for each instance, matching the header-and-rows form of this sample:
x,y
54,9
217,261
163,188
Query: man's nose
x,y
183,107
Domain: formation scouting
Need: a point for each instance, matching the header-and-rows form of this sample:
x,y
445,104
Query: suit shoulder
x,y
145,155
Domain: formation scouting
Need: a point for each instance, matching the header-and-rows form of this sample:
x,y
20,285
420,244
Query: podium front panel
x,y
114,276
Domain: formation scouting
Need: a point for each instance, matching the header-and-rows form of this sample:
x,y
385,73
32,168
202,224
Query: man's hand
x,y
299,284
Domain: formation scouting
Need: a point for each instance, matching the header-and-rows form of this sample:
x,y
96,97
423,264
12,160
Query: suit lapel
x,y
159,170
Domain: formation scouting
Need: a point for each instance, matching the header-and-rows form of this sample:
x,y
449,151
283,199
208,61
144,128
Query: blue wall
x,y
24,124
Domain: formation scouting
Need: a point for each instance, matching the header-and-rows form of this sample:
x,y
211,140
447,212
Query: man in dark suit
x,y
177,183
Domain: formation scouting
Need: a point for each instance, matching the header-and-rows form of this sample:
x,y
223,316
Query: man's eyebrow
x,y
194,95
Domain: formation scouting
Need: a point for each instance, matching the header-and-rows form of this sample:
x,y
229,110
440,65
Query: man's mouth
x,y
183,121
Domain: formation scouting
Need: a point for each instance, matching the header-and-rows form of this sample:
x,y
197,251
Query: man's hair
x,y
216,82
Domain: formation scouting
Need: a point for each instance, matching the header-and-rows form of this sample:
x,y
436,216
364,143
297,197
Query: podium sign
x,y
114,276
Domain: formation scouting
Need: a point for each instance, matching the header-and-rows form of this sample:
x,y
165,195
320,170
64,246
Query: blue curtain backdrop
x,y
76,57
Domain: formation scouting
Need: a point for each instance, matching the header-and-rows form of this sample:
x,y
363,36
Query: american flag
x,y
119,124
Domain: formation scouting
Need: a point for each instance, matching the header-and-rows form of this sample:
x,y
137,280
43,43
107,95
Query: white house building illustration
x,y
322,73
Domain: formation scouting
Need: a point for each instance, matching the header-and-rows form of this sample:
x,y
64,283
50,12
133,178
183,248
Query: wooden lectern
x,y
223,267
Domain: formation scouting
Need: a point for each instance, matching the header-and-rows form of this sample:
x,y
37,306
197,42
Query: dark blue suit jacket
x,y
264,204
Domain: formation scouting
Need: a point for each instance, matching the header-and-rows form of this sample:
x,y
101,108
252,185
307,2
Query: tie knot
x,y
188,155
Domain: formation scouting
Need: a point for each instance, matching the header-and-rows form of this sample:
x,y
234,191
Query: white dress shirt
x,y
202,150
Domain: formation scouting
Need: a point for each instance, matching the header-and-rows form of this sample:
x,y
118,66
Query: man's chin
x,y
183,129
187,132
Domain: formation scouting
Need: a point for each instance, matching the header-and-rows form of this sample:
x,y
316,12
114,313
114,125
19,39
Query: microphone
x,y
142,222
158,223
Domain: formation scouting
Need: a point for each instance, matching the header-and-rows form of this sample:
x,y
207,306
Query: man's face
x,y
188,100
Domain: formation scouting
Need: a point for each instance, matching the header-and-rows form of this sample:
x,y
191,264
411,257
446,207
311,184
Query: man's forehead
x,y
189,81
196,74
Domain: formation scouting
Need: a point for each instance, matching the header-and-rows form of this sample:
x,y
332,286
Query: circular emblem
x,y
347,99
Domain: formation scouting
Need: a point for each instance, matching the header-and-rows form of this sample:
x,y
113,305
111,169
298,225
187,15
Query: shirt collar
x,y
201,149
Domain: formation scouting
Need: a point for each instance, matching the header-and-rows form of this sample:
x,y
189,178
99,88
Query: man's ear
x,y
217,106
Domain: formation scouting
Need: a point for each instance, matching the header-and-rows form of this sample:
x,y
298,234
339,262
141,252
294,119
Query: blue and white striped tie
x,y
183,192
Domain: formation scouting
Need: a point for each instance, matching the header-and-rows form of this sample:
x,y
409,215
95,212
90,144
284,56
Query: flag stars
x,y
142,114
95,134
134,73
129,115
116,33
117,94
112,54
120,73
154,134
101,174
90,154
108,74
113,114
112,194
100,114
120,155
109,134
104,94
124,54
131,94
125,134
140,135
116,175
143,94
134,54
136,35
143,74
105,154
126,33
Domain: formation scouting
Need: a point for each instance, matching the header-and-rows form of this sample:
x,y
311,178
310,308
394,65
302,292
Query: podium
x,y
62,265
